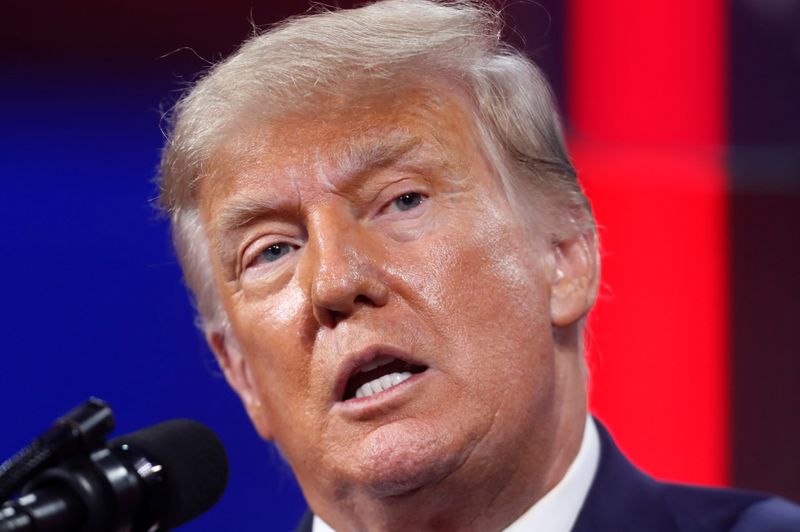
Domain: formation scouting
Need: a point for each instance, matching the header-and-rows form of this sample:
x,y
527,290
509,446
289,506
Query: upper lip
x,y
354,360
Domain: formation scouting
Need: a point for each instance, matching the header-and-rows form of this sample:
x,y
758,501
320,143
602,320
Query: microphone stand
x,y
80,431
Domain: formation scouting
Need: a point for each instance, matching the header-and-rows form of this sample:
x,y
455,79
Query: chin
x,y
394,465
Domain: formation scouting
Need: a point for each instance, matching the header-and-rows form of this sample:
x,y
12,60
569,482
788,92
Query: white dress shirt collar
x,y
558,510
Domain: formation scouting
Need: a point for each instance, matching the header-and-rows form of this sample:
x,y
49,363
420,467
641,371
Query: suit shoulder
x,y
703,509
773,514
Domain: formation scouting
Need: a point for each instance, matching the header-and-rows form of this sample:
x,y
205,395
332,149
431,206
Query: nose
x,y
343,263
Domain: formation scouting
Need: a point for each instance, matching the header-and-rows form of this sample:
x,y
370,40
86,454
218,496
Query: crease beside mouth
x,y
379,379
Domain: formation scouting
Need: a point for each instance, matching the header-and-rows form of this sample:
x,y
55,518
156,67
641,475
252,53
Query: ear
x,y
237,372
575,278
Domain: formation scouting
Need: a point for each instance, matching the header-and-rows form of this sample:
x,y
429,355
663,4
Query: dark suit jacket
x,y
624,499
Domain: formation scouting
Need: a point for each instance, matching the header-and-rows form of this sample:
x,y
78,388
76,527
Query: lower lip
x,y
364,406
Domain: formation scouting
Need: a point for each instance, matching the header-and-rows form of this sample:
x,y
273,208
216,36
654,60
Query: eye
x,y
275,252
408,201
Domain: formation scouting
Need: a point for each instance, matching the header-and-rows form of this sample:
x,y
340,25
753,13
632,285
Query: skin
x,y
316,260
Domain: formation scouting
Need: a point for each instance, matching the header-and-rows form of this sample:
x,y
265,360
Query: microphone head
x,y
194,466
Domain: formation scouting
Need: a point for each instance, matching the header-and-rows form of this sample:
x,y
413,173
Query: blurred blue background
x,y
93,302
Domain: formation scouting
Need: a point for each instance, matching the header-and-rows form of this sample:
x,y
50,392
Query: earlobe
x,y
239,375
575,278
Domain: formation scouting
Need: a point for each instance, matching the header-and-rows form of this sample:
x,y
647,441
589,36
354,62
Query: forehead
x,y
343,135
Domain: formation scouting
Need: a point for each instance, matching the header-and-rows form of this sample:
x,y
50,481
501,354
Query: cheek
x,y
508,273
486,297
272,333
473,275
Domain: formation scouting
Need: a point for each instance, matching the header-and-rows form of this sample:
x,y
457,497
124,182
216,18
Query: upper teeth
x,y
382,383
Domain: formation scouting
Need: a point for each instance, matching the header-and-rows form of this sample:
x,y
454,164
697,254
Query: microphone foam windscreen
x,y
195,466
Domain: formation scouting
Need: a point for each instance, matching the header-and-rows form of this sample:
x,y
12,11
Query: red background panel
x,y
646,106
647,71
658,353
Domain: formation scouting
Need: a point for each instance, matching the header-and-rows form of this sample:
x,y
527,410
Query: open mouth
x,y
379,375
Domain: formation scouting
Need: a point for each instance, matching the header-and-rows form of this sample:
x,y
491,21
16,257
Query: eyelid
x,y
394,197
412,184
253,250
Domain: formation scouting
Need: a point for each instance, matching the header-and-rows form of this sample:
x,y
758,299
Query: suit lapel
x,y
622,498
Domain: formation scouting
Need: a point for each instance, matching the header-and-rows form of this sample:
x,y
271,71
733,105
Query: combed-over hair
x,y
282,70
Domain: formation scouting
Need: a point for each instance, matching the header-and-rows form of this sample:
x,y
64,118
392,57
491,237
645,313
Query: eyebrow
x,y
349,171
372,154
243,211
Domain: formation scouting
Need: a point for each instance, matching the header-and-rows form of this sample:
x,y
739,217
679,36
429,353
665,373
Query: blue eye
x,y
409,201
276,251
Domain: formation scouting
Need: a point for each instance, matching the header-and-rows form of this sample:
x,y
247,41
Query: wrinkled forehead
x,y
341,135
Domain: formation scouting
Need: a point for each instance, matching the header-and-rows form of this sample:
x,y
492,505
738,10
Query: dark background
x,y
92,302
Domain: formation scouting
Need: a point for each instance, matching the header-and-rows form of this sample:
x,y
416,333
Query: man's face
x,y
376,233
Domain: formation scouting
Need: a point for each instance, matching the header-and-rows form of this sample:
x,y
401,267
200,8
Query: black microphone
x,y
80,431
154,479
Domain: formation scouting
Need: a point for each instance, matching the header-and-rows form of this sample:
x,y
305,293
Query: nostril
x,y
363,300
331,317
335,317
